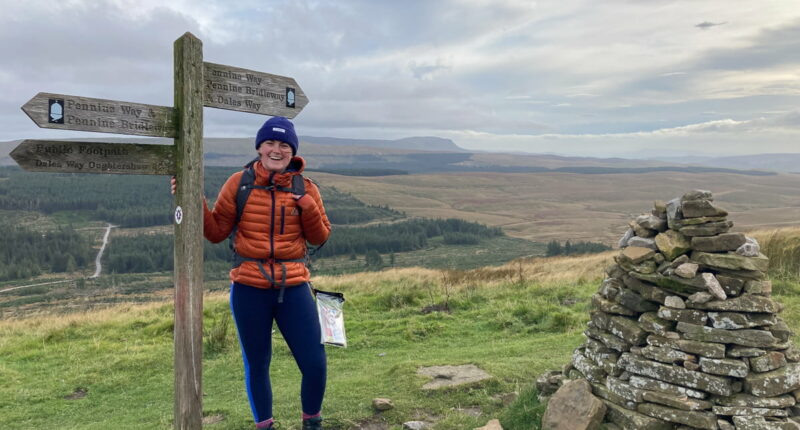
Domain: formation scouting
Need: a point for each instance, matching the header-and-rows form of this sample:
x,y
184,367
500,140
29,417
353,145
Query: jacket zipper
x,y
272,229
283,217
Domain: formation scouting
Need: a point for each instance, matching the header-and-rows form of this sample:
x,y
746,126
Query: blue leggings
x,y
253,311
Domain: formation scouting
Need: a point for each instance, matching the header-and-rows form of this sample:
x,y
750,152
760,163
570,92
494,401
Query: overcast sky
x,y
595,78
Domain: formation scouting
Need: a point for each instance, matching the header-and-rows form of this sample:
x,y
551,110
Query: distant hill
x,y
420,143
773,162
374,157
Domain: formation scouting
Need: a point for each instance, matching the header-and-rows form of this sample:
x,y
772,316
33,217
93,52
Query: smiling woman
x,y
271,211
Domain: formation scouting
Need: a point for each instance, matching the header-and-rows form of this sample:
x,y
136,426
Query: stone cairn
x,y
683,332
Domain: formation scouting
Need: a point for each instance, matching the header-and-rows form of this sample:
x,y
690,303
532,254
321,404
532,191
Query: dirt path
x,y
97,260
36,285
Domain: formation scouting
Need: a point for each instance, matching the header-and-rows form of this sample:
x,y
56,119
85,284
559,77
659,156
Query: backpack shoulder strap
x,y
298,185
245,187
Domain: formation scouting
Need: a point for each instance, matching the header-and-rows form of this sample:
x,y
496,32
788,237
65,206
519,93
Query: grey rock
x,y
614,271
636,254
705,349
749,411
700,298
598,302
677,402
624,390
719,243
491,425
697,195
743,303
693,316
725,425
708,229
674,213
647,291
650,322
681,259
452,376
750,248
701,208
609,288
623,241
674,302
731,261
738,320
760,423
746,337
770,361
382,404
687,378
665,354
714,286
737,351
628,419
758,287
546,384
607,339
641,231
792,354
691,365
742,399
687,270
724,367
674,284
643,242
574,407
672,244
652,222
697,419
660,209
627,330
732,286
635,302
602,392
774,383
650,384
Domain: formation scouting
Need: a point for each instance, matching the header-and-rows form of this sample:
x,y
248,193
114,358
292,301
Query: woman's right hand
x,y
173,183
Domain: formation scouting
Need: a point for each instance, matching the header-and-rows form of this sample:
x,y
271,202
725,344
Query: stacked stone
x,y
684,333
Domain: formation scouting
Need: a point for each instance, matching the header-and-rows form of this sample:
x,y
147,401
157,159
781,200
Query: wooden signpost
x,y
233,88
105,116
197,84
94,157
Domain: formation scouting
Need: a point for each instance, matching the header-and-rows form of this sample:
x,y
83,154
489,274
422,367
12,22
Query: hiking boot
x,y
312,423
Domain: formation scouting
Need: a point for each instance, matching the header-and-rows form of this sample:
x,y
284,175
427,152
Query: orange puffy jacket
x,y
273,227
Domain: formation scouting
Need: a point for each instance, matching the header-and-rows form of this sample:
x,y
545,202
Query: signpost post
x,y
197,84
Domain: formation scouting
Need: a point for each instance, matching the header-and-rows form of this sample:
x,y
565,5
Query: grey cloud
x,y
771,47
705,25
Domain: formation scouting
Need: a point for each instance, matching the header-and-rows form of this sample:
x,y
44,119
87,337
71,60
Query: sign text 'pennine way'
x,y
66,112
94,157
232,88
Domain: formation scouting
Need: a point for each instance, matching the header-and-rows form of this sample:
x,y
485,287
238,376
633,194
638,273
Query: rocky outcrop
x,y
685,334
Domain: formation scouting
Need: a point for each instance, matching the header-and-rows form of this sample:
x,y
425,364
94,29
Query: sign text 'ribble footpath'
x,y
67,112
234,88
94,157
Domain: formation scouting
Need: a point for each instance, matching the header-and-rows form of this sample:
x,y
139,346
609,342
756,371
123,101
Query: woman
x,y
270,277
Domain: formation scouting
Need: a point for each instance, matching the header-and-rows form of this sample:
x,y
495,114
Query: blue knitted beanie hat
x,y
278,128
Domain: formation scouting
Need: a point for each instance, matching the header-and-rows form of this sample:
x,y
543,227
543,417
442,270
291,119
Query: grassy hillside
x,y
113,367
546,206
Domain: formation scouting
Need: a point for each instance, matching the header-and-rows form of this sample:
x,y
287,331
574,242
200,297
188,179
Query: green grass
x,y
123,361
489,252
